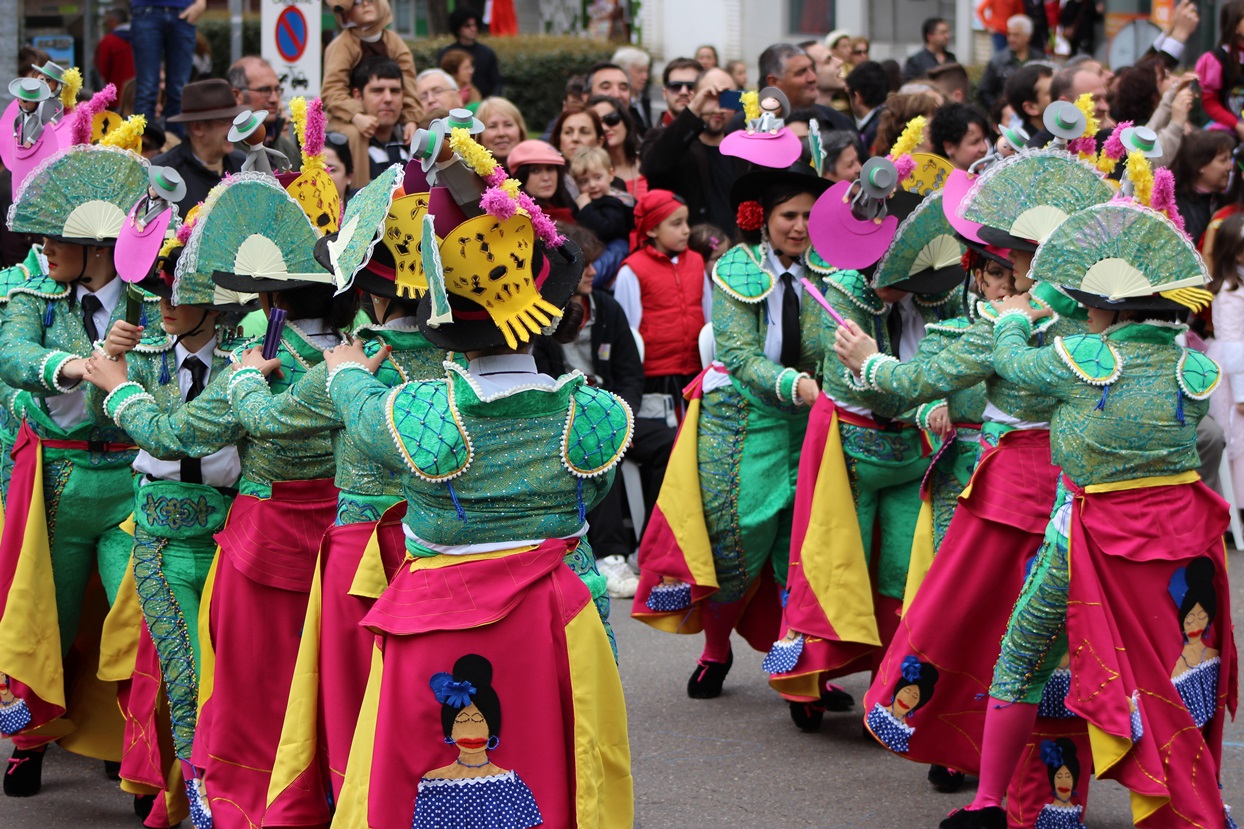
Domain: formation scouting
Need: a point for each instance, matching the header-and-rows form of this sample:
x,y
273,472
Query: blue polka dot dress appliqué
x,y
499,801
1054,697
783,656
668,598
1198,688
1055,816
894,734
14,716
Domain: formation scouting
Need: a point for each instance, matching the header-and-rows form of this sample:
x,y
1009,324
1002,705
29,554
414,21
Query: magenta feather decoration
x,y
315,128
183,232
84,114
1113,148
1086,145
498,204
906,165
543,225
497,177
1163,197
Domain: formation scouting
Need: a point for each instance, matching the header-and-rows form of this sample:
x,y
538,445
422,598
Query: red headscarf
x,y
654,208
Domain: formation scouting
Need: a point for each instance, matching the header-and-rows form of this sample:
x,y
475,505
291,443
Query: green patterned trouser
x,y
748,456
885,469
87,497
583,562
950,476
173,552
1035,641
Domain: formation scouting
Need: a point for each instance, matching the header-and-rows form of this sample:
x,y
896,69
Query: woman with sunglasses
x,y
621,142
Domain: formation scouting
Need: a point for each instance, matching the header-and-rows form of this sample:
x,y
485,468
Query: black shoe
x,y
24,776
143,804
836,699
112,770
807,715
946,781
991,817
707,678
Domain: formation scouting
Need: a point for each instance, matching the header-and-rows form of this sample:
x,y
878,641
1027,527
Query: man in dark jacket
x,y
685,156
206,156
607,354
936,34
464,24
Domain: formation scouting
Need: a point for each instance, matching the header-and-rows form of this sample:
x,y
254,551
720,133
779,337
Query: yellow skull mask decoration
x,y
402,229
317,195
489,262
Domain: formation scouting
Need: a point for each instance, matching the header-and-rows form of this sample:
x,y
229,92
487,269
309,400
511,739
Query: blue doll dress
x,y
893,733
499,801
1054,697
1057,816
1198,688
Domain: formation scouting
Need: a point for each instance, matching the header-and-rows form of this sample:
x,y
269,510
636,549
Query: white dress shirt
x,y
69,410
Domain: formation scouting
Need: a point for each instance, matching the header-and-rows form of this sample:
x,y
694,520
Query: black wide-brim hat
x,y
254,285
155,283
1003,239
982,250
932,280
558,272
751,185
1152,302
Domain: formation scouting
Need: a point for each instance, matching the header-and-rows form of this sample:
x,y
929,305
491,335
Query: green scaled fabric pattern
x,y
741,274
598,428
80,193
1016,194
854,286
248,204
1118,247
1198,374
953,327
427,431
362,226
1090,358
924,240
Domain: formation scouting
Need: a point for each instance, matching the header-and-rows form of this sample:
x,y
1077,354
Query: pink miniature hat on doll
x,y
851,225
957,186
766,141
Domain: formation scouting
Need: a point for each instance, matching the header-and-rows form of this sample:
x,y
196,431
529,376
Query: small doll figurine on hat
x,y
248,129
147,224
766,141
29,95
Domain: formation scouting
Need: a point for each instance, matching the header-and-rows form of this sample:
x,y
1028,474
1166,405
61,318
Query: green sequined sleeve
x,y
936,372
1033,369
27,363
836,379
740,329
195,430
302,411
361,401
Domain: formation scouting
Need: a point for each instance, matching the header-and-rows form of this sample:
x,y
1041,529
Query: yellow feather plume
x,y
912,137
128,135
472,152
751,104
1085,104
69,88
1195,299
298,111
1140,174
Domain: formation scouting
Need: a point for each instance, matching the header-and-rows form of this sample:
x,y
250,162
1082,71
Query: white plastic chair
x,y
708,346
1228,493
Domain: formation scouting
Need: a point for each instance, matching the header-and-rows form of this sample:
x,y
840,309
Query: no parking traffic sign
x,y
291,43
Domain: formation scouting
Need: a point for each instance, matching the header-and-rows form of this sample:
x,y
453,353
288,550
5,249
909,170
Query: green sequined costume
x,y
751,431
29,271
885,465
1127,403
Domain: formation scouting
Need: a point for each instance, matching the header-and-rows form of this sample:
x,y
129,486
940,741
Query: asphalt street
x,y
728,763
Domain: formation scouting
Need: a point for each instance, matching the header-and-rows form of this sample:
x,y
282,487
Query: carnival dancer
x,y
179,505
364,546
1132,527
77,201
501,465
720,535
30,273
253,237
1002,510
860,459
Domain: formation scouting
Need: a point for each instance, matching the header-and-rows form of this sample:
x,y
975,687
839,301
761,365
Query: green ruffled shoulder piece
x,y
953,327
854,286
425,426
987,311
1090,358
818,265
233,347
391,372
1198,375
155,342
28,278
598,430
741,275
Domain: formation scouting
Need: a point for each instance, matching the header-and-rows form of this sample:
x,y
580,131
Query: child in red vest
x,y
661,288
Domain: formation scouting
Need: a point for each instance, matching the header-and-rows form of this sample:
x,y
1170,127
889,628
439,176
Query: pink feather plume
x,y
497,203
315,128
1113,148
1163,197
84,114
906,165
1082,145
183,232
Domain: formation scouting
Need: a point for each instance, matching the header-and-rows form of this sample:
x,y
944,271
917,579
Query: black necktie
x,y
91,304
894,328
192,468
790,321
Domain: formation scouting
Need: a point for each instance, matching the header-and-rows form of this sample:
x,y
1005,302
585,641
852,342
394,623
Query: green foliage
x,y
535,68
216,30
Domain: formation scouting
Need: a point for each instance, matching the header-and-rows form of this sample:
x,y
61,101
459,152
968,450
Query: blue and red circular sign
x,y
291,34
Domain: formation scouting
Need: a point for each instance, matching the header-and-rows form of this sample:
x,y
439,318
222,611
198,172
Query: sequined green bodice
x,y
1127,402
525,464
